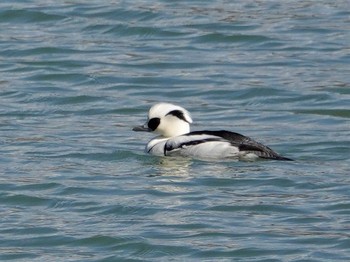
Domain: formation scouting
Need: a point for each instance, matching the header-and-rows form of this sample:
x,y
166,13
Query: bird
x,y
172,124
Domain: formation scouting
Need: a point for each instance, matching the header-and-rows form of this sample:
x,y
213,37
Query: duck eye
x,y
153,123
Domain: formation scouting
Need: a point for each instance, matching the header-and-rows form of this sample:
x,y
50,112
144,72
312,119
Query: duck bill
x,y
143,128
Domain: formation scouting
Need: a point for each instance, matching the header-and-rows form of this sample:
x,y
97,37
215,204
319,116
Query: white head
x,y
168,120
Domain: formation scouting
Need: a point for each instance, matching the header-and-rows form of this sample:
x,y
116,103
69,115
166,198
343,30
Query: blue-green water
x,y
76,76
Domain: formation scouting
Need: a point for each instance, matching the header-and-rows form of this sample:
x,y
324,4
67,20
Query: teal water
x,y
76,76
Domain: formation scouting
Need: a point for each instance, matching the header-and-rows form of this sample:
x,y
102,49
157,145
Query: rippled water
x,y
76,76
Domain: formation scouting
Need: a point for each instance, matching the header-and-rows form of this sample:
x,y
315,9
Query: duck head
x,y
167,119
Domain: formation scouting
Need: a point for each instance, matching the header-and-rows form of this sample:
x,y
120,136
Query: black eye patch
x,y
178,113
153,123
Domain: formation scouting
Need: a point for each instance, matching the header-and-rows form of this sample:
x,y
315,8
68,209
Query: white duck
x,y
172,123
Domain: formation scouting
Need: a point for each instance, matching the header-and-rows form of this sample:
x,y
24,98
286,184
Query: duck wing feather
x,y
243,143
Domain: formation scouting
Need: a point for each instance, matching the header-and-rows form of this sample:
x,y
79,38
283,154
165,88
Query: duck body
x,y
173,124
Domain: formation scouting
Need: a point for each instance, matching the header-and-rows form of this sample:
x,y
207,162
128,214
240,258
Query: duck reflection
x,y
173,166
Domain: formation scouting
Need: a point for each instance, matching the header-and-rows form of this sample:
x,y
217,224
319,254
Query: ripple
x,y
217,37
26,200
76,77
27,15
327,112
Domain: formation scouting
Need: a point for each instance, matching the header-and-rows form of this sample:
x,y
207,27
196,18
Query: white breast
x,y
156,146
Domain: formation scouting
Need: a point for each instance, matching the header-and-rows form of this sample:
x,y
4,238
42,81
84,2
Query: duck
x,y
172,124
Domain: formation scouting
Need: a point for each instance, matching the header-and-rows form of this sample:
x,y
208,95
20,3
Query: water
x,y
76,76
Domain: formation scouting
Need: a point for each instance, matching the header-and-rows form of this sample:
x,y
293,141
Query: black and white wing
x,y
192,144
212,142
248,145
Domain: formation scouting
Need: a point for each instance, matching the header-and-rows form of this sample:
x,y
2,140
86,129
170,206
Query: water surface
x,y
75,184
